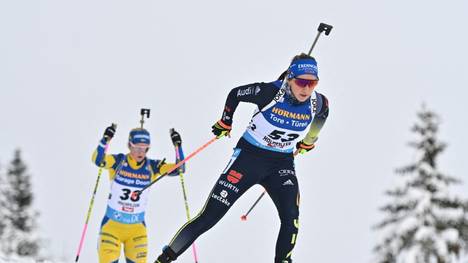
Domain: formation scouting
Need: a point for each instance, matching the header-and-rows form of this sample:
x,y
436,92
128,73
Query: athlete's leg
x,y
136,245
109,242
283,188
241,173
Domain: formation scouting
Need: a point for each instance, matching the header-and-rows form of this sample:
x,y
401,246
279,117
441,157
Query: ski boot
x,y
167,256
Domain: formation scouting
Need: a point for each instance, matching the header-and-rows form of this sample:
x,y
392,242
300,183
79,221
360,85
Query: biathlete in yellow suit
x,y
124,221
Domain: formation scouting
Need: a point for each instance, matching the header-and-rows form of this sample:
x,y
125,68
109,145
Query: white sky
x,y
70,68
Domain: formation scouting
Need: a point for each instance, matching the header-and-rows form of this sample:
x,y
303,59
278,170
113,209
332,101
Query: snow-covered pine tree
x,y
2,205
424,222
20,237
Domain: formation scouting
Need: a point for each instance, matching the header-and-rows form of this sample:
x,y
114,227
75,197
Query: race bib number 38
x,y
127,199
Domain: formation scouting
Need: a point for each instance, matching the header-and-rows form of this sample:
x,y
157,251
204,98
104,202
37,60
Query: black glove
x,y
109,132
303,147
220,129
175,136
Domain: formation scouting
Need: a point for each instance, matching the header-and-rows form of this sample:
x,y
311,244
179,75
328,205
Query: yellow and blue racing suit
x,y
124,221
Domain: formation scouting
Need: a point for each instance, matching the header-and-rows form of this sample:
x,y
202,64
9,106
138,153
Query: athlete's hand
x,y
175,136
221,129
109,132
303,147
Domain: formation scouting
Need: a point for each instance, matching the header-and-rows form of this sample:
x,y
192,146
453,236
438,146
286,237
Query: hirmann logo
x,y
234,176
292,115
134,175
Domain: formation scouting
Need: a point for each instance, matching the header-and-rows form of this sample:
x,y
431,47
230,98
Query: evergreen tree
x,y
2,204
19,237
424,223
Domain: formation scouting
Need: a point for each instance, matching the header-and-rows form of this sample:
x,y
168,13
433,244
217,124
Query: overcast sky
x,y
70,68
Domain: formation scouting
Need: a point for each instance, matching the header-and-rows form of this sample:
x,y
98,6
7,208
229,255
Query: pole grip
x,y
325,28
143,113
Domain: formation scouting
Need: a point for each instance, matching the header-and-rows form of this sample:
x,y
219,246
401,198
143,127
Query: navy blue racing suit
x,y
263,155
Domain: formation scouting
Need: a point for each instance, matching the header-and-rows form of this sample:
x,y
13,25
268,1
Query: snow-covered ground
x,y
14,259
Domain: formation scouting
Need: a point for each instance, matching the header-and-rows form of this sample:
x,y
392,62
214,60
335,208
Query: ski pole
x,y
187,209
322,28
143,113
244,216
91,203
181,162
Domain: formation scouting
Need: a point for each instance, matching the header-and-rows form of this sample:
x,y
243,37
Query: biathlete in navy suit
x,y
264,154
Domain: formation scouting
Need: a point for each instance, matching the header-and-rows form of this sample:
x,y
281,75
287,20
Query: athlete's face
x,y
138,151
302,86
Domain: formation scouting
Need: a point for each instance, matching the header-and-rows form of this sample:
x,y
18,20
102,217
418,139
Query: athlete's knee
x,y
108,244
289,215
108,253
136,249
108,248
138,256
210,219
205,220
